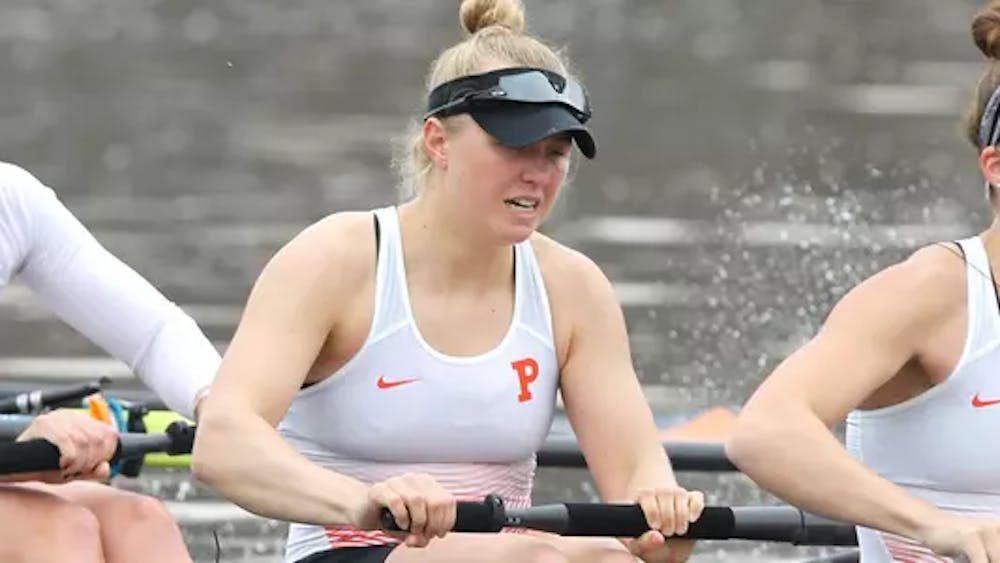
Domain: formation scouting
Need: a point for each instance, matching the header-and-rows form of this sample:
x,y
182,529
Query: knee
x,y
540,553
71,527
140,509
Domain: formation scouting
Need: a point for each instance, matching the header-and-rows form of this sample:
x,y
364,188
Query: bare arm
x,y
604,401
784,432
288,316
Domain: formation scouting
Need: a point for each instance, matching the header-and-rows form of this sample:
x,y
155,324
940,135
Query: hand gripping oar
x,y
784,524
41,455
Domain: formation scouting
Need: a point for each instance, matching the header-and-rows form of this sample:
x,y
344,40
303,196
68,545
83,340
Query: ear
x,y
989,165
436,142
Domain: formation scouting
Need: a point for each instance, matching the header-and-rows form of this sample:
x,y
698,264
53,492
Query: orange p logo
x,y
527,373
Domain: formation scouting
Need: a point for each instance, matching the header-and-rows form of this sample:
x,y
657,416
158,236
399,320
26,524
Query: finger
x,y
73,449
696,505
631,544
67,453
680,510
417,540
667,505
652,540
101,473
991,543
976,552
417,506
438,515
85,458
647,501
450,514
382,495
107,444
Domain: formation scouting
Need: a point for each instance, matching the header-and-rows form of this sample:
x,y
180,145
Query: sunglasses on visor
x,y
523,85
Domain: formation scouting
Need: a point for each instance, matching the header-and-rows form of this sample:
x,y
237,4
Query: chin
x,y
513,234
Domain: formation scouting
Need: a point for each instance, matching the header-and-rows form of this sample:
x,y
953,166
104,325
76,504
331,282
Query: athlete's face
x,y
509,191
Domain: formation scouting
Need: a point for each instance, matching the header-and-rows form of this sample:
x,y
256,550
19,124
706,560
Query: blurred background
x,y
756,160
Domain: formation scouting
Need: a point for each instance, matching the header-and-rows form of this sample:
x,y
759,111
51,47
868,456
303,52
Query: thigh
x,y
586,548
480,548
41,526
86,493
373,554
105,501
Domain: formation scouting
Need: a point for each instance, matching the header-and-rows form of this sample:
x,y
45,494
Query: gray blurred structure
x,y
756,160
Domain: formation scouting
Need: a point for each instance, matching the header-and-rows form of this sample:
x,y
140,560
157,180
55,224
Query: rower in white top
x,y
46,248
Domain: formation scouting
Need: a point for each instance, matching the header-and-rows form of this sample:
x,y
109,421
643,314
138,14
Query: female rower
x,y
411,356
911,358
59,516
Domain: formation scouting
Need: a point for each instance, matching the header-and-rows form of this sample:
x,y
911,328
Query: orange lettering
x,y
527,373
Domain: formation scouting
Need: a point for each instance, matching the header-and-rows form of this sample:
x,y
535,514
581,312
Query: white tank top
x,y
473,423
47,249
941,445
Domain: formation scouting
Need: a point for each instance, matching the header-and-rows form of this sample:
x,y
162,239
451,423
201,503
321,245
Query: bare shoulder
x,y
925,287
330,256
579,292
568,271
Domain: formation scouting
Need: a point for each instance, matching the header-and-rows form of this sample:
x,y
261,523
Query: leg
x,y
38,526
607,550
133,527
589,550
480,548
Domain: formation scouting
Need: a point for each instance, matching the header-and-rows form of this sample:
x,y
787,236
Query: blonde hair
x,y
495,30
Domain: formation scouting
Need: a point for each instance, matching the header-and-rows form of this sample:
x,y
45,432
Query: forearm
x,y
649,469
793,455
248,462
179,364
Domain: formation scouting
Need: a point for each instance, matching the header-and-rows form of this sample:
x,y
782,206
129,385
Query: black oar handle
x,y
41,455
785,524
33,402
485,516
572,519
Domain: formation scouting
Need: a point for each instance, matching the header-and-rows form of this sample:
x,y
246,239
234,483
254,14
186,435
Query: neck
x,y
444,248
991,240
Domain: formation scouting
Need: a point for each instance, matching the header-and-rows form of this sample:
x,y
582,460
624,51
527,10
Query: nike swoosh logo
x,y
383,384
980,403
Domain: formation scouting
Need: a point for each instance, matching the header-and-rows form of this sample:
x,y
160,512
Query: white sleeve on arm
x,y
106,300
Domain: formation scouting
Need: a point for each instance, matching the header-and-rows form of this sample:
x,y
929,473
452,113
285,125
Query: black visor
x,y
519,125
518,106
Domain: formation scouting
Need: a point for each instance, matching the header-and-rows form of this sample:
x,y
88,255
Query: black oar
x,y
34,402
41,455
784,524
564,451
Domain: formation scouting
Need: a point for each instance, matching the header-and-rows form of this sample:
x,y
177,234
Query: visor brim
x,y
521,124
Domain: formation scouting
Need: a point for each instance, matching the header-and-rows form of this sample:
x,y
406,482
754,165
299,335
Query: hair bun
x,y
480,14
986,30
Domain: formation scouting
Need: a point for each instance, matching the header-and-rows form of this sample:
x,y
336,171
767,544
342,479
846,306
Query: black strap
x,y
996,293
378,238
960,248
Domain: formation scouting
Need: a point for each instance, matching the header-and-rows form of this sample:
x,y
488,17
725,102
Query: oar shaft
x,y
564,451
33,402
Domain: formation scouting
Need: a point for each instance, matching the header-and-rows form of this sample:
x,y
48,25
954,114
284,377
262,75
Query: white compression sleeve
x,y
103,298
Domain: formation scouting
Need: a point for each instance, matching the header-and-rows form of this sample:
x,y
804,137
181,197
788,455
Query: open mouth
x,y
521,203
